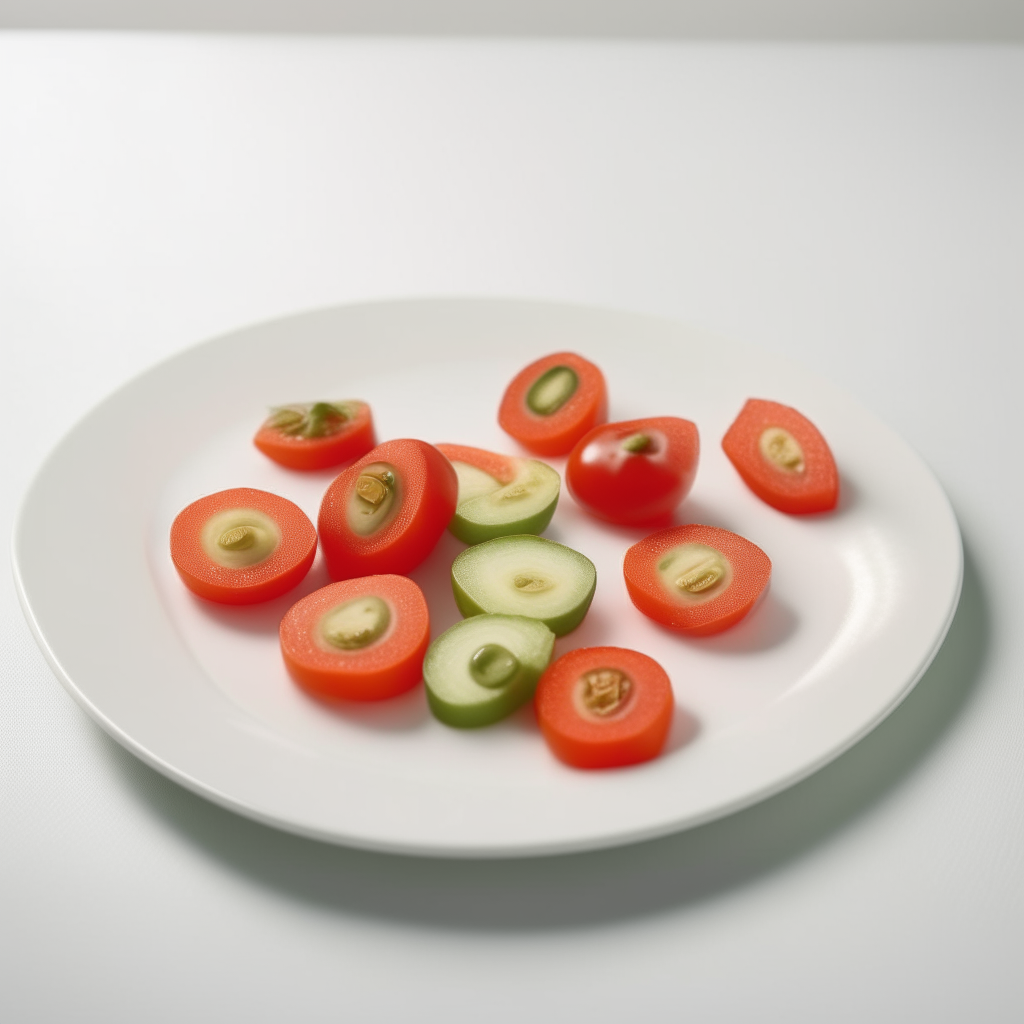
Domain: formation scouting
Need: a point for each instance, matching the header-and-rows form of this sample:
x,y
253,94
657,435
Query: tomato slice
x,y
634,472
697,580
385,513
361,639
604,707
501,467
782,458
553,402
242,546
316,435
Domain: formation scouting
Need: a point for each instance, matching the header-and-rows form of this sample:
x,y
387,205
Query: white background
x,y
857,208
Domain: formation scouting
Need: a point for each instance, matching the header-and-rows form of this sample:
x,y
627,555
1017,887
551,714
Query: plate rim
x,y
461,851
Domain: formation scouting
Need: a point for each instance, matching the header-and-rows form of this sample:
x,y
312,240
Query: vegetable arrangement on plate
x,y
367,636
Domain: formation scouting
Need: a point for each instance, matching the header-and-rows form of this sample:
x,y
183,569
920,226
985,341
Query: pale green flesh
x,y
525,575
694,573
525,505
238,538
375,498
355,624
483,668
551,390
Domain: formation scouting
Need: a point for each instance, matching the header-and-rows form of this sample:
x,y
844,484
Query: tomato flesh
x,y
283,568
340,441
782,458
411,486
635,472
385,666
604,707
696,580
553,402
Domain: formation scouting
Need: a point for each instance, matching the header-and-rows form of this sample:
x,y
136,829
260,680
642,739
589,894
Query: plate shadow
x,y
606,887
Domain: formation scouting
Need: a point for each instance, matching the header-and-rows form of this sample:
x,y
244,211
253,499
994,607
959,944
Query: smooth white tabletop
x,y
856,208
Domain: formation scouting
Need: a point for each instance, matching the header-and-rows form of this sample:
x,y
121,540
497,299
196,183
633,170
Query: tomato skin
x,y
635,734
284,569
554,434
355,438
501,467
384,669
816,489
429,493
634,488
751,569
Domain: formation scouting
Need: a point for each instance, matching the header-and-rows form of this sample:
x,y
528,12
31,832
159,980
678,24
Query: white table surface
x,y
857,208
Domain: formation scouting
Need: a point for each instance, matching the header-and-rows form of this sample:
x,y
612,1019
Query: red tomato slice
x,y
501,467
374,654
213,538
636,471
285,436
604,707
697,580
782,458
385,513
552,403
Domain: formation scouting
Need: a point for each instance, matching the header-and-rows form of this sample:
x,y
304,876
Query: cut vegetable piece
x,y
385,513
634,472
525,575
361,639
483,668
242,546
782,458
552,403
605,707
697,580
316,435
500,495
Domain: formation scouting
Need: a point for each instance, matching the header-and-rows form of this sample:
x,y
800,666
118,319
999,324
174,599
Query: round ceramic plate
x,y
859,603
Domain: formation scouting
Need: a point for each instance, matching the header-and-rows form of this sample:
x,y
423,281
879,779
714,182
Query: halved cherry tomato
x,y
316,435
604,707
697,580
242,546
782,458
361,639
636,471
385,513
553,402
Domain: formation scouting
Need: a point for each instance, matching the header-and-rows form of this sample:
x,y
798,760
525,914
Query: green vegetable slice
x,y
488,508
483,668
525,575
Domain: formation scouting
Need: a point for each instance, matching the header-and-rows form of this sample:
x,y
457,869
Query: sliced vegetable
x,y
500,494
242,546
635,472
697,580
604,707
525,575
553,402
385,513
361,639
483,668
316,435
782,458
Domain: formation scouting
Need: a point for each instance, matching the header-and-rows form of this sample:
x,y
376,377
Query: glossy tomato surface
x,y
425,494
634,472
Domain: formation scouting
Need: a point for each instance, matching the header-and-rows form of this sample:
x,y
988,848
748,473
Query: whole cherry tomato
x,y
634,472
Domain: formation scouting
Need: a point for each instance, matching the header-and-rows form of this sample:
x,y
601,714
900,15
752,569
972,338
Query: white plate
x,y
859,603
